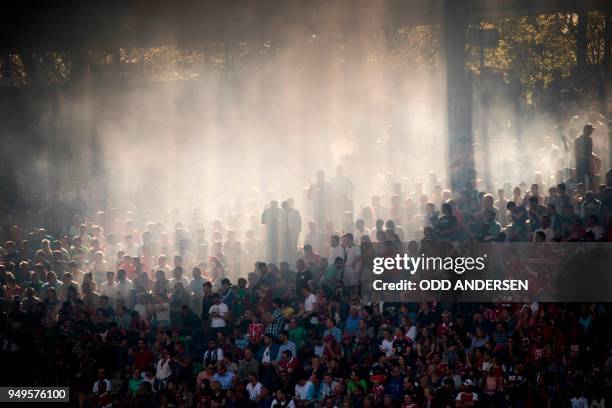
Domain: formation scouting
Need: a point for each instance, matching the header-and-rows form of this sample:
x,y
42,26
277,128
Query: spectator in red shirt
x,y
255,331
142,357
288,362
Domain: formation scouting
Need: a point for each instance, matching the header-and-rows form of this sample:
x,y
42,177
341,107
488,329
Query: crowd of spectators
x,y
129,314
166,308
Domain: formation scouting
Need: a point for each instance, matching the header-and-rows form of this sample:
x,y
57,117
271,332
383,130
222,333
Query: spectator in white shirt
x,y
101,378
162,263
579,401
336,251
309,311
109,288
281,401
593,228
163,368
219,313
548,232
112,247
178,276
304,390
161,310
196,290
352,260
124,287
213,355
386,345
254,388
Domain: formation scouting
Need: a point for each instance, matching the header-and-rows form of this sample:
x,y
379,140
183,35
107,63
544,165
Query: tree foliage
x,y
534,48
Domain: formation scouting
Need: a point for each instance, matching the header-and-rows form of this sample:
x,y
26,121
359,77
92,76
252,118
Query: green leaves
x,y
536,47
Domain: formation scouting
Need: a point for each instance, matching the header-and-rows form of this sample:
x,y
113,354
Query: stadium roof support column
x,y
608,42
30,68
581,39
607,72
79,63
458,93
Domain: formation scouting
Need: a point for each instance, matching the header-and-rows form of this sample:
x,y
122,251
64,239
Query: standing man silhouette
x,y
292,227
583,149
271,218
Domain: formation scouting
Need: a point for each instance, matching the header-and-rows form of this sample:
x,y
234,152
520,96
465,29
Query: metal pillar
x,y
606,74
29,64
581,39
608,42
458,94
79,61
